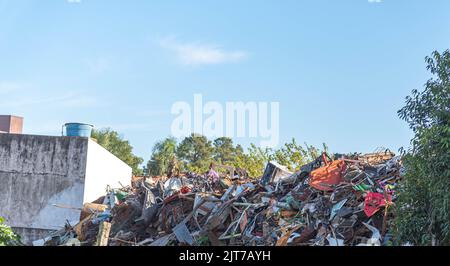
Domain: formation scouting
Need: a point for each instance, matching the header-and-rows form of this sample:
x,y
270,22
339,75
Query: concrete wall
x,y
28,235
37,172
103,169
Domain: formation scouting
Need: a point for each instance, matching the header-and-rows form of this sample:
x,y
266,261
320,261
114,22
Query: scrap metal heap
x,y
327,203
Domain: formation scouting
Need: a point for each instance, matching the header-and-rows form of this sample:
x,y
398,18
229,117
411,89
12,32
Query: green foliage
x,y
290,154
163,154
294,155
195,153
254,160
7,235
423,205
111,141
224,150
203,241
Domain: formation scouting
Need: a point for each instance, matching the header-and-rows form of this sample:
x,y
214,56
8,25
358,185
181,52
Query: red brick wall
x,y
11,124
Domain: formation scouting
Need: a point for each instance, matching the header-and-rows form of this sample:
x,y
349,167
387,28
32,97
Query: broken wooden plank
x,y
103,234
78,228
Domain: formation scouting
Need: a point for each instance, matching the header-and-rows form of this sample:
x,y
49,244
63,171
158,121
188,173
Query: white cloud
x,y
22,95
201,54
69,100
9,87
374,1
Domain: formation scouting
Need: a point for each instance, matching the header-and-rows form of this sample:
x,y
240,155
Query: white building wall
x,y
103,169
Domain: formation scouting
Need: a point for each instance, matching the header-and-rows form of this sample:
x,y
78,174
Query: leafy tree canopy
x,y
196,153
162,155
225,151
114,143
423,205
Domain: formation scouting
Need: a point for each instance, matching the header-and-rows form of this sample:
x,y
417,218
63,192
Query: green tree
x,y
114,143
225,151
293,155
423,205
254,161
195,153
7,235
163,153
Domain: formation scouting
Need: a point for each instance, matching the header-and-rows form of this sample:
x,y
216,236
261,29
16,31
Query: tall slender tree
x,y
162,155
423,205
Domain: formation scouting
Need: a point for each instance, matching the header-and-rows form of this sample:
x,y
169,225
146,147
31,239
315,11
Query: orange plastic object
x,y
326,177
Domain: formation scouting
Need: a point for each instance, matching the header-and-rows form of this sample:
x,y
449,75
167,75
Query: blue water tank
x,y
78,130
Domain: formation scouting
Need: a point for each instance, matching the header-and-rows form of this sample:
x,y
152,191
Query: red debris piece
x,y
374,201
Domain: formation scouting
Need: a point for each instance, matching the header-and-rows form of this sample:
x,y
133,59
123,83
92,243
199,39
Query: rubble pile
x,y
326,203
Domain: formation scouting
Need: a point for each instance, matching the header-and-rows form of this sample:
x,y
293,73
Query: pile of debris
x,y
328,202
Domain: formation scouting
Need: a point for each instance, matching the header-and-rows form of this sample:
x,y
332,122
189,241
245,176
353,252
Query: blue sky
x,y
340,69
